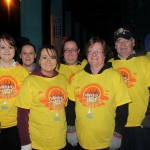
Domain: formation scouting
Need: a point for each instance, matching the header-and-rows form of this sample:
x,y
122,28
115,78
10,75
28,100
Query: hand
x,y
146,122
115,142
26,147
72,138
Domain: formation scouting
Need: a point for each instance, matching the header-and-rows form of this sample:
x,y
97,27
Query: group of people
x,y
88,103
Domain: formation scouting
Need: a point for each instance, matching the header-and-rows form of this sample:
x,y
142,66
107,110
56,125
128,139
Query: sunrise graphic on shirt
x,y
8,87
92,96
55,98
127,75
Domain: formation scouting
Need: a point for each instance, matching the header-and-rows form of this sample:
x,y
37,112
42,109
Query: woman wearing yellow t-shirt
x,y
97,109
41,105
12,75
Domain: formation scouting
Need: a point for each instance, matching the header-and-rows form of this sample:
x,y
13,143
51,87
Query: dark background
x,y
99,17
93,15
10,21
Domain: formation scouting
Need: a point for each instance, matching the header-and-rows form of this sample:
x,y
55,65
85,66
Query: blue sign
x,y
57,28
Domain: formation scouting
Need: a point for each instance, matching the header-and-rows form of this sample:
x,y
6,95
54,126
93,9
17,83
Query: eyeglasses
x,y
97,52
125,41
70,50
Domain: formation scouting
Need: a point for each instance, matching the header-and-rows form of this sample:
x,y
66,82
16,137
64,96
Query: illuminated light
x,y
8,2
8,7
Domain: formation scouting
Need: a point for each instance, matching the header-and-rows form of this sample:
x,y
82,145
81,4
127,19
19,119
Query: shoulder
x,y
21,70
111,60
60,75
84,62
80,73
113,72
143,59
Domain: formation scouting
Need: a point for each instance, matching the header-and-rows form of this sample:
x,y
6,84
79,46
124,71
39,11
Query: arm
x,y
146,121
23,126
70,113
121,118
148,109
71,130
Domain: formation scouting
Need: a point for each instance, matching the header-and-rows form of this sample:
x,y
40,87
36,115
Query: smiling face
x,y
48,61
124,47
27,55
7,51
71,52
95,56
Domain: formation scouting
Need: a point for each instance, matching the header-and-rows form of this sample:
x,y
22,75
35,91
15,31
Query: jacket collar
x,y
106,66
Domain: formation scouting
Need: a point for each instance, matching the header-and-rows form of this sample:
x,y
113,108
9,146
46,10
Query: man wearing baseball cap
x,y
136,73
124,36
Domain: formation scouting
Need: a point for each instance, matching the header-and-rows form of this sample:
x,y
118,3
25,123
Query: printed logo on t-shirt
x,y
55,99
8,87
92,96
127,75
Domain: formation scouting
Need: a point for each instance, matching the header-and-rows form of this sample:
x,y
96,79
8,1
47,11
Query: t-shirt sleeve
x,y
24,99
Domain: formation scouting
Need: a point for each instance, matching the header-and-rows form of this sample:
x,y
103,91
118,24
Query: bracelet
x,y
71,129
117,135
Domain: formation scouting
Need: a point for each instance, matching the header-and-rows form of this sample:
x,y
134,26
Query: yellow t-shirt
x,y
10,82
148,55
96,97
136,74
46,99
69,71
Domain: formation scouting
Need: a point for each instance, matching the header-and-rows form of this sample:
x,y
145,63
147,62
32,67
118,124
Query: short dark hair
x,y
9,39
19,51
27,44
71,40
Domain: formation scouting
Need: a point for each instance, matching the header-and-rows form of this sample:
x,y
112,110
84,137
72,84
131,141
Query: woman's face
x,y
27,55
47,62
71,52
95,55
7,51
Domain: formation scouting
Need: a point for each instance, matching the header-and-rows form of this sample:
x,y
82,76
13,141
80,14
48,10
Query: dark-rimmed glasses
x,y
70,50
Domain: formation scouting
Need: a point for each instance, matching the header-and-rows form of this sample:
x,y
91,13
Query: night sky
x,y
92,16
10,20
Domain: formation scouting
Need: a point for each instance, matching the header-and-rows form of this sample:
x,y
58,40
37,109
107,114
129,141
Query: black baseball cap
x,y
123,32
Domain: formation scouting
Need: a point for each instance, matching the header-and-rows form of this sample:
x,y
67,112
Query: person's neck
x,y
95,70
49,74
124,57
28,67
73,64
6,64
